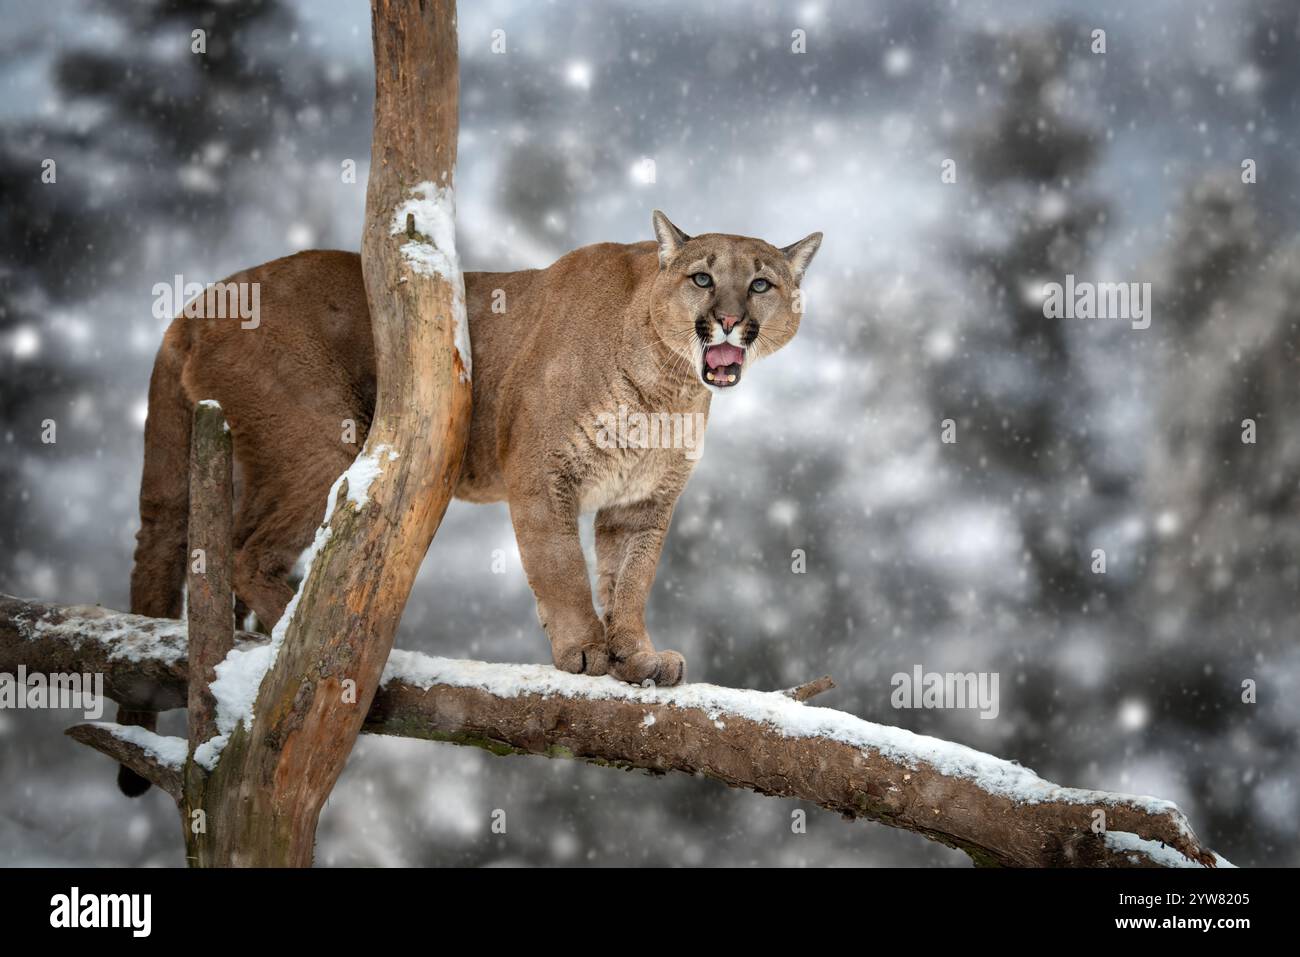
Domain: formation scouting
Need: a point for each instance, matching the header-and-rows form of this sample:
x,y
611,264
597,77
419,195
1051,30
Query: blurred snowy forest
x,y
924,304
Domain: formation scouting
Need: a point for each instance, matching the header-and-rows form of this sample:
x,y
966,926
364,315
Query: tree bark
x,y
996,811
209,614
278,766
209,593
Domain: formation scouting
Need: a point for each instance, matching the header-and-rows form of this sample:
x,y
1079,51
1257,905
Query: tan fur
x,y
606,326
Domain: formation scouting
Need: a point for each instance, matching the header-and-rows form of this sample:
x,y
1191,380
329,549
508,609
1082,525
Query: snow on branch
x,y
997,811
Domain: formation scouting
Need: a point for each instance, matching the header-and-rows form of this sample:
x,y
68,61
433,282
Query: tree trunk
x,y
275,771
209,610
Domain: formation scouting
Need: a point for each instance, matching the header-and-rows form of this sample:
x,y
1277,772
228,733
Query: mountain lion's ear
x,y
670,238
800,254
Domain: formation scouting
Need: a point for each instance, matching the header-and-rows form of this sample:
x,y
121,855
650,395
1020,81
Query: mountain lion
x,y
652,327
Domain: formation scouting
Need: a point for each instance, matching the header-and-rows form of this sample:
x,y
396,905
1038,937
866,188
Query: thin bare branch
x,y
113,740
809,689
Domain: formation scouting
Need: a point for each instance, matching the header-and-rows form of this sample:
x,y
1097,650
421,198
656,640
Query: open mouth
x,y
722,364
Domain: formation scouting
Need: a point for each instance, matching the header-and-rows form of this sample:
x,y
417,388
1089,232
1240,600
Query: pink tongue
x,y
723,355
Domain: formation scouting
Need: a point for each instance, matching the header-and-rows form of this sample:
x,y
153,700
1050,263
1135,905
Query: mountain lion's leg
x,y
557,574
611,544
278,518
262,578
637,532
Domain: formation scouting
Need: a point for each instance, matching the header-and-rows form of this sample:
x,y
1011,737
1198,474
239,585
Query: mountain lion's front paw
x,y
577,647
664,668
588,659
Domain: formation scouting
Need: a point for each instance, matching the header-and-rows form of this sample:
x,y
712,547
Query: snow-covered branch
x,y
997,811
158,759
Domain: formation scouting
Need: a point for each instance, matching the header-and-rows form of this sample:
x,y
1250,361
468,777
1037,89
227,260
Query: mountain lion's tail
x,y
158,577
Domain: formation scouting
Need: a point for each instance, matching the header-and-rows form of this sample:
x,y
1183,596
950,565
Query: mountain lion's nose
x,y
728,322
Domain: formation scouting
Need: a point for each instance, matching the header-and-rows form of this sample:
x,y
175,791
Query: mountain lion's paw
x,y
588,659
664,668
595,659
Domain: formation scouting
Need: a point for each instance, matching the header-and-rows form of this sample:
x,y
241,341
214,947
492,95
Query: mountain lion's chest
x,y
639,455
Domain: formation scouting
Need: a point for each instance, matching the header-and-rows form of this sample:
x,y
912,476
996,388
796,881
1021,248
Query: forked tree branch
x,y
269,772
996,811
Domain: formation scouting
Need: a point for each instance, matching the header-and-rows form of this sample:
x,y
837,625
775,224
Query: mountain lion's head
x,y
722,302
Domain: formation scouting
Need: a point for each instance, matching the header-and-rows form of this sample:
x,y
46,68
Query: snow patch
x,y
214,404
1124,842
238,678
362,473
433,211
206,754
432,251
128,637
167,751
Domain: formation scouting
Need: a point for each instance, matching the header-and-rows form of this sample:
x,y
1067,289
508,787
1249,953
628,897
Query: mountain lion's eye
x,y
760,285
703,280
